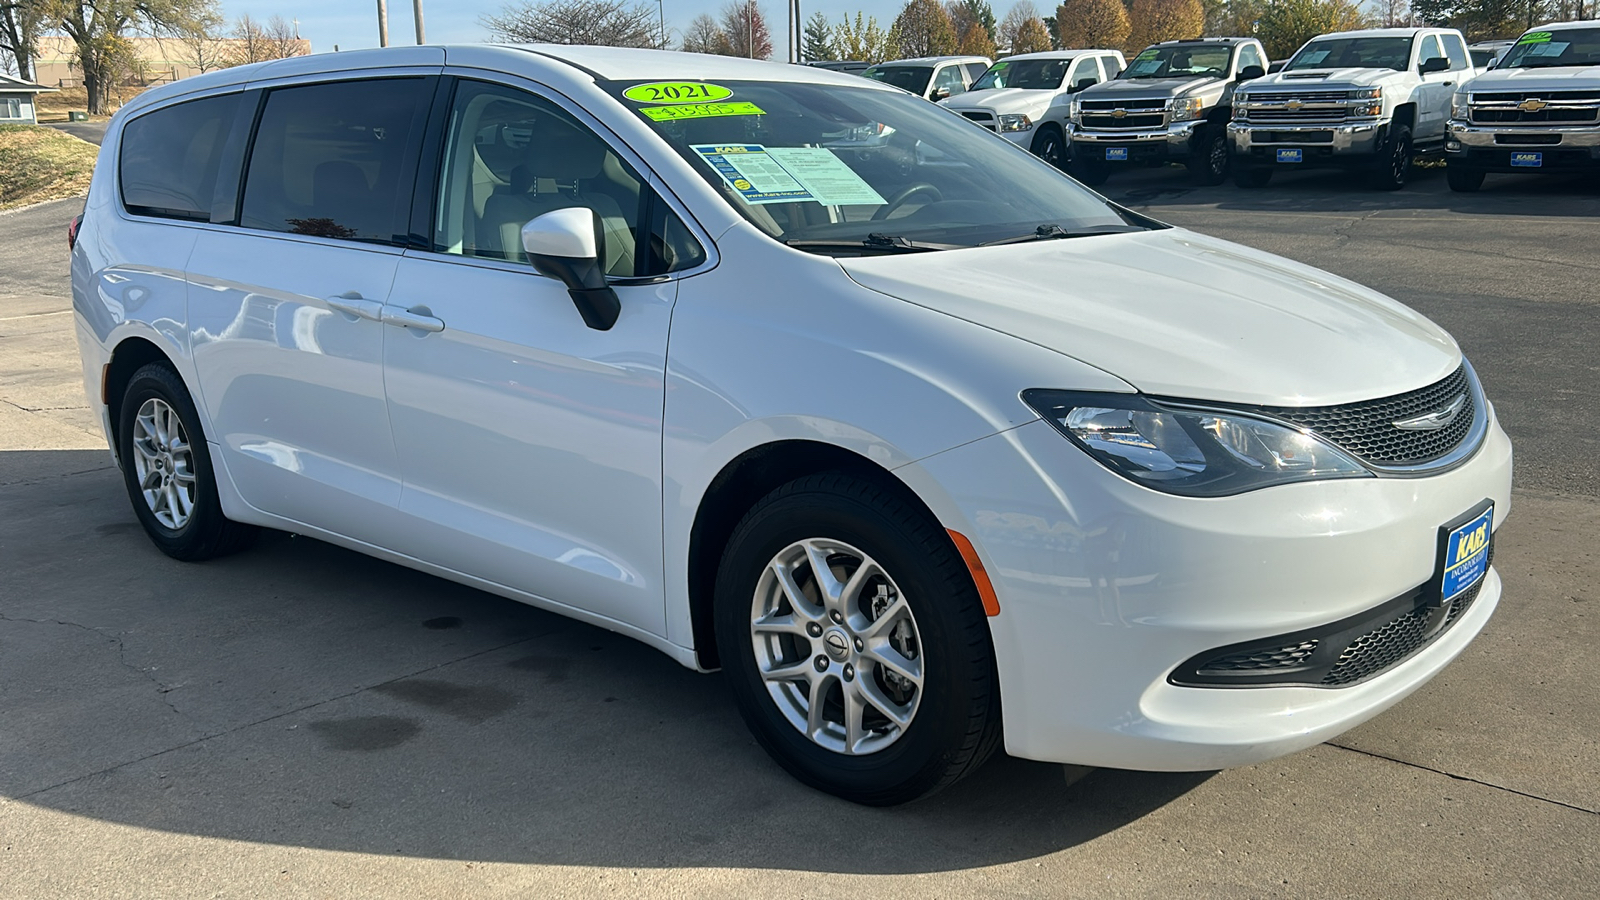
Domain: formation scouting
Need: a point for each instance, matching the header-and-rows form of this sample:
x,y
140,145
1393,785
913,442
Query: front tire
x,y
855,643
1394,163
166,466
1463,179
1051,146
1208,164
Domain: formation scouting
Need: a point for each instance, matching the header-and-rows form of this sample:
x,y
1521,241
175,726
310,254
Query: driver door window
x,y
1249,57
948,78
1457,53
1429,49
1083,69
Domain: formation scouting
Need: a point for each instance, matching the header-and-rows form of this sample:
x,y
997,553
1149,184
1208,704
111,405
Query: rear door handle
x,y
356,305
408,319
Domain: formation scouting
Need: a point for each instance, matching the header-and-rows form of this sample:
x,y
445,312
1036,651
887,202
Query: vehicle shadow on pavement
x,y
300,694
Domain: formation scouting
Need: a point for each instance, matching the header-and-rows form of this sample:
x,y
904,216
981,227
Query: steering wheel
x,y
905,194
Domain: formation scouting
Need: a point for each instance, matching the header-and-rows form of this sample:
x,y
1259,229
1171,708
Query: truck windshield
x,y
911,78
1028,74
1547,49
1354,53
1180,61
846,170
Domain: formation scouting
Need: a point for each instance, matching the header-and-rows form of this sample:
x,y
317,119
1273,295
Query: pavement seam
x,y
1452,775
262,721
122,657
59,312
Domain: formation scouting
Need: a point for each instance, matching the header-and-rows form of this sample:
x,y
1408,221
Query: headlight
x,y
1460,108
1015,123
1185,109
1192,452
1366,93
1369,102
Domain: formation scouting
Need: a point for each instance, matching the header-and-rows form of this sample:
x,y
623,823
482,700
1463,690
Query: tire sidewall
x,y
1047,136
915,762
160,382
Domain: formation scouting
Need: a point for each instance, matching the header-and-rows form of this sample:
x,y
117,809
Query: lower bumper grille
x,y
1343,653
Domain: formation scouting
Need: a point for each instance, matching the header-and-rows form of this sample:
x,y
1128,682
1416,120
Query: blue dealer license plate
x,y
1466,554
1117,154
1527,160
1291,156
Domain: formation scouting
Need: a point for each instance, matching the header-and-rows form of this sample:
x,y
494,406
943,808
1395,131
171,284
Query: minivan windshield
x,y
910,78
845,170
1028,74
1548,49
1180,61
1354,53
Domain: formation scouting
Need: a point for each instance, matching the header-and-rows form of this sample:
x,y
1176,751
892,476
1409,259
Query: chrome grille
x,y
1367,429
1296,106
1145,120
1558,108
1099,105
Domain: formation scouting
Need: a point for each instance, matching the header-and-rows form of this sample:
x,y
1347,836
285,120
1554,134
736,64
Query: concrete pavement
x,y
300,720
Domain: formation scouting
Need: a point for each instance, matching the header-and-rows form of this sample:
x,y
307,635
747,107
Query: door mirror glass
x,y
1250,72
566,245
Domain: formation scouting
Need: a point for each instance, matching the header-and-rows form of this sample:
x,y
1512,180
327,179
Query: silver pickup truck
x,y
1171,104
1537,110
1370,101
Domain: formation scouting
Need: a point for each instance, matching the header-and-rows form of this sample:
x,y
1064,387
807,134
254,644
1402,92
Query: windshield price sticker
x,y
788,175
1148,54
677,92
699,111
1535,37
1313,57
1545,48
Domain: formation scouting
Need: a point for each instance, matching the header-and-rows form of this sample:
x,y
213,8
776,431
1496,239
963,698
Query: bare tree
x,y
704,35
202,43
21,22
249,43
747,29
283,40
98,30
609,23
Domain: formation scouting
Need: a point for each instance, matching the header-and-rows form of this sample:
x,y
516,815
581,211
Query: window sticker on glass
x,y
1546,48
699,111
825,176
1148,54
1144,66
1312,58
1535,37
751,171
677,92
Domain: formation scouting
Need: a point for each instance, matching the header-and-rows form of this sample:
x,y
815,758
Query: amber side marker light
x,y
980,575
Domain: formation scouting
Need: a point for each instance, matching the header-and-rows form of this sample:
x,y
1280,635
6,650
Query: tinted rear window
x,y
330,159
169,158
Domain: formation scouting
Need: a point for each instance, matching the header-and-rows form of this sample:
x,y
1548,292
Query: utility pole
x,y
383,23
416,7
661,7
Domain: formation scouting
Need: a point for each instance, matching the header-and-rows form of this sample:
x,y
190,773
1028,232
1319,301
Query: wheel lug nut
x,y
822,664
814,630
860,646
836,617
849,673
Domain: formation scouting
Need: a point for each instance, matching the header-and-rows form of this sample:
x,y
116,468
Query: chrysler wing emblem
x,y
1532,104
1435,420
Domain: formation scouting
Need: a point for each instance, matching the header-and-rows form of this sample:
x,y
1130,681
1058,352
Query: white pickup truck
x,y
1018,94
1537,110
1366,100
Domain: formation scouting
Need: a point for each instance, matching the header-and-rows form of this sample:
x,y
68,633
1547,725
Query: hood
x,y
1319,79
1004,100
1179,314
1118,88
1563,78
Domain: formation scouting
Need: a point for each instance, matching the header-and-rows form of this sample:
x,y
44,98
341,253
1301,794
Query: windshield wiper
x,y
1054,232
876,242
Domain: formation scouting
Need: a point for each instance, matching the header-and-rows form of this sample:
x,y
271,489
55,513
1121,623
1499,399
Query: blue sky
x,y
353,24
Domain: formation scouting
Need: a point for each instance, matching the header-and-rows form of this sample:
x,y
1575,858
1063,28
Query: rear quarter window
x,y
169,158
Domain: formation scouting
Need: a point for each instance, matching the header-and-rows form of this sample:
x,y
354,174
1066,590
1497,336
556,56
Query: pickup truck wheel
x,y
1394,165
1208,164
1092,174
1248,176
1462,178
1050,146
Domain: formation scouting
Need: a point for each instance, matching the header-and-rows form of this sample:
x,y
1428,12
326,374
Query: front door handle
x,y
406,318
356,305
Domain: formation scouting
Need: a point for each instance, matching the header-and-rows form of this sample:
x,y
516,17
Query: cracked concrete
x,y
298,720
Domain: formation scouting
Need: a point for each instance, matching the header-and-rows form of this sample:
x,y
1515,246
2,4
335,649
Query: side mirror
x,y
566,245
1082,83
1436,64
1250,73
939,94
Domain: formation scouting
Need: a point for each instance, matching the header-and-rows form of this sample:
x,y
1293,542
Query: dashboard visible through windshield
x,y
1354,53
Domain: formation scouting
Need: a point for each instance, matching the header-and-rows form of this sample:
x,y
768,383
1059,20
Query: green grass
x,y
39,164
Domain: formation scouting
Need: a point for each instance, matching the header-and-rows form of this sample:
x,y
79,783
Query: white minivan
x,y
784,372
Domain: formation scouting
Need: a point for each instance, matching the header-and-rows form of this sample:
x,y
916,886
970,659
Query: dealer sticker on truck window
x,y
1118,154
1527,160
1466,555
1291,156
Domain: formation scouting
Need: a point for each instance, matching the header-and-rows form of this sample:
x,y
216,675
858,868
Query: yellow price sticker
x,y
700,111
677,92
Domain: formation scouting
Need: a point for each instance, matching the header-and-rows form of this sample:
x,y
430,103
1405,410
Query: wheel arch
x,y
1406,114
129,356
735,489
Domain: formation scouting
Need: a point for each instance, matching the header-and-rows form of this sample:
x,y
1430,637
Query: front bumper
x,y
1173,142
1347,144
1106,588
1560,149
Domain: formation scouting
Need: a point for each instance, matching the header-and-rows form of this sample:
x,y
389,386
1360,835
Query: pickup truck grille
x,y
1532,108
1142,120
1146,113
986,119
1297,106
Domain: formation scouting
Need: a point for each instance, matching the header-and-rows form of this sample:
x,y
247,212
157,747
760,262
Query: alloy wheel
x,y
164,463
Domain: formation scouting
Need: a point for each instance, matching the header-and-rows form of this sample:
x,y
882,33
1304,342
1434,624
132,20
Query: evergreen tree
x,y
818,42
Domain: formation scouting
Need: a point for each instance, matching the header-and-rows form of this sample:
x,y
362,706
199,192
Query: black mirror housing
x,y
1436,64
586,284
1082,83
1250,73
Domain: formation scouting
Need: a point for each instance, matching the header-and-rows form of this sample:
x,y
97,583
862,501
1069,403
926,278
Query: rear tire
x,y
1051,146
913,611
1462,178
1249,176
1208,164
166,466
1394,161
